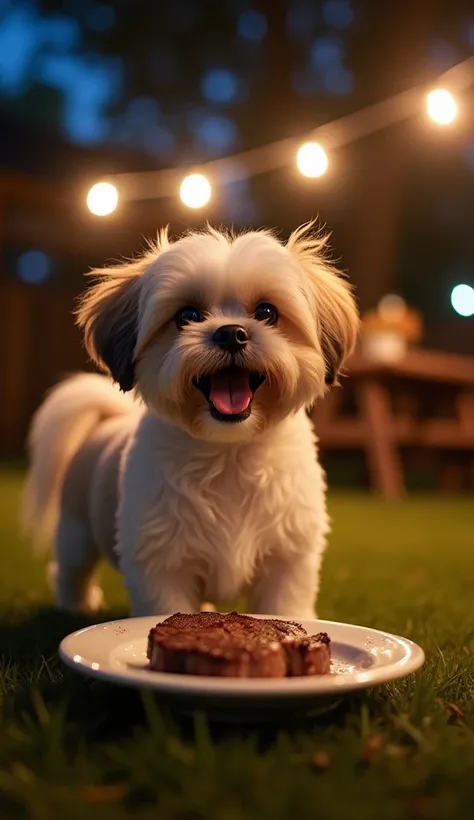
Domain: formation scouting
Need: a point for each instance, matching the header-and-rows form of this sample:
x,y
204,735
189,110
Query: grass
x,y
74,748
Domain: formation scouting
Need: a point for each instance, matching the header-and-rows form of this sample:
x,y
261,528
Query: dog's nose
x,y
230,338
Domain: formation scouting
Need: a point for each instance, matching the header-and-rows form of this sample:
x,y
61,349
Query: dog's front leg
x,y
156,590
286,587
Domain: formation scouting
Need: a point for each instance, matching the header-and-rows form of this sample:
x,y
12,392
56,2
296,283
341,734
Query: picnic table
x,y
424,402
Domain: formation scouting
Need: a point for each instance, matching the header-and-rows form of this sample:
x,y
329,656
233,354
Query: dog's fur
x,y
190,507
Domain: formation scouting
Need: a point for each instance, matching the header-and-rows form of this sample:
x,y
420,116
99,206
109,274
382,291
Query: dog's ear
x,y
108,315
335,307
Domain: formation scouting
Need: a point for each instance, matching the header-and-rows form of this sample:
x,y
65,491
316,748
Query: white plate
x,y
362,657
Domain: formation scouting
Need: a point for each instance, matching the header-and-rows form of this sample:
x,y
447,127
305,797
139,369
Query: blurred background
x,y
95,91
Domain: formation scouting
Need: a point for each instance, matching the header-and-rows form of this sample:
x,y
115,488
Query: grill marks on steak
x,y
236,646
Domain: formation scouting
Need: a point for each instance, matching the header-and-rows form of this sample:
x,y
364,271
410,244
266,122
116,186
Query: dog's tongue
x,y
230,391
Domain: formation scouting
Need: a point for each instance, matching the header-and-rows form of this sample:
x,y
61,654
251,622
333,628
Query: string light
x,y
441,106
312,160
462,300
102,199
195,191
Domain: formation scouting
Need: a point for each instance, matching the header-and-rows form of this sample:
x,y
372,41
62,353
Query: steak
x,y
236,646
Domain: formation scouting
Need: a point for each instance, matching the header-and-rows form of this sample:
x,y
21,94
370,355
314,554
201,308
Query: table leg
x,y
383,457
470,474
450,479
465,414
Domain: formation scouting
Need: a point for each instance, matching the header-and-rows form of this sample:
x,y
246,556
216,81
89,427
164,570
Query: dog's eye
x,y
266,313
187,315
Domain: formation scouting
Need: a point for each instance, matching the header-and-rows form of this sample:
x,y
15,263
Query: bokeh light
x,y
327,51
102,199
312,160
252,25
195,191
441,106
338,13
219,85
338,80
34,267
215,134
392,307
462,299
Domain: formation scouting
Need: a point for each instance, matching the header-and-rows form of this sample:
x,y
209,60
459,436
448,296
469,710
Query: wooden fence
x,y
38,342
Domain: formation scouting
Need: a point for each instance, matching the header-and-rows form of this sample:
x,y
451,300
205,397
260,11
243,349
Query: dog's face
x,y
223,336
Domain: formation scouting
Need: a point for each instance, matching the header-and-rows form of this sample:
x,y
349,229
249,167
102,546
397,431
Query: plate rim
x,y
249,688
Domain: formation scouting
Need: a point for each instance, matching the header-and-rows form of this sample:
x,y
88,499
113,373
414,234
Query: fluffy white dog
x,y
200,479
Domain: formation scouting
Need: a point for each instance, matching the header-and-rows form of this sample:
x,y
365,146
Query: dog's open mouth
x,y
230,392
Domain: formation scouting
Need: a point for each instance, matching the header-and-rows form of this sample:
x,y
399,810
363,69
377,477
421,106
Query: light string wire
x,y
266,158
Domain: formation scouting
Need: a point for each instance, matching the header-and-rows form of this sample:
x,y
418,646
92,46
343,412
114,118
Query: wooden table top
x,y
419,364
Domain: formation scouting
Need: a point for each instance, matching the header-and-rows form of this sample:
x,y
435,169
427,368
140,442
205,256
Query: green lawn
x,y
70,748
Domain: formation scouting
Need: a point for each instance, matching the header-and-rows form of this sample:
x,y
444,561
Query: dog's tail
x,y
59,427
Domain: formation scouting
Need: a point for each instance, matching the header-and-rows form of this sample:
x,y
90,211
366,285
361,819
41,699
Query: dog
x,y
196,473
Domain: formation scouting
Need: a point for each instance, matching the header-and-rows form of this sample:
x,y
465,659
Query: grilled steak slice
x,y
236,646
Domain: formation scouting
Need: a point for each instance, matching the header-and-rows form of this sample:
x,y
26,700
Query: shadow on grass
x,y
31,672
33,679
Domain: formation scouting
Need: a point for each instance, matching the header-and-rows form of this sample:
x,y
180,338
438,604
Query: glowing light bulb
x,y
312,160
102,199
462,300
441,106
195,191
